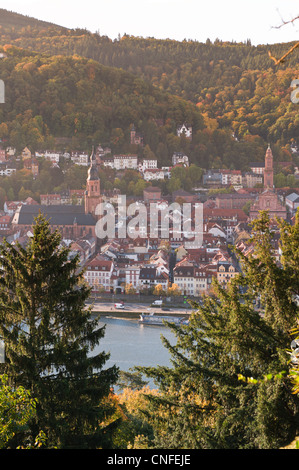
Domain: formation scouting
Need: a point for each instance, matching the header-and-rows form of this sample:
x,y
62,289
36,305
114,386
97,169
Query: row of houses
x,y
191,275
148,167
139,267
143,264
217,178
234,178
67,196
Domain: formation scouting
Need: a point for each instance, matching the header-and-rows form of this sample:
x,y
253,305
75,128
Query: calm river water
x,y
132,344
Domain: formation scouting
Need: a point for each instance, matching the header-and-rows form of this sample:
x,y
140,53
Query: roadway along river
x,y
136,308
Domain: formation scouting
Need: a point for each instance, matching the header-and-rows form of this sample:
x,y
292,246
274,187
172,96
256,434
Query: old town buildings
x,y
147,262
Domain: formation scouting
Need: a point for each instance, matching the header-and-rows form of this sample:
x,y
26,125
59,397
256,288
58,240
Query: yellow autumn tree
x,y
158,290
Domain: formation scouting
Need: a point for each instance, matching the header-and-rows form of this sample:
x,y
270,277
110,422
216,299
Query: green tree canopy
x,y
49,337
17,407
203,403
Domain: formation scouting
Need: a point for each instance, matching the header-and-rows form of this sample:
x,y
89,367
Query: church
x,y
268,199
72,221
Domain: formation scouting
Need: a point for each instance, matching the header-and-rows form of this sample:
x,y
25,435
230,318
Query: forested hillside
x,y
58,96
235,87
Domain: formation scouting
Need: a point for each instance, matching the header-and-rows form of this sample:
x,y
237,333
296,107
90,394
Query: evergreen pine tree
x,y
208,398
49,336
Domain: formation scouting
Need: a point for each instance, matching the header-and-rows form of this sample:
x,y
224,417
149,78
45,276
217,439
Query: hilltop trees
x,y
77,98
49,340
245,102
233,83
229,385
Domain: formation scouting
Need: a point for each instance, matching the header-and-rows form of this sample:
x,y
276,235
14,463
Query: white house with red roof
x,y
98,273
151,174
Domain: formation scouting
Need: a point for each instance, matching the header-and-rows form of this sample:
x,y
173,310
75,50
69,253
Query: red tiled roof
x,y
101,264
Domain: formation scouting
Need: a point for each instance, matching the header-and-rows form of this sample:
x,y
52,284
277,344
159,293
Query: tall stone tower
x,y
268,172
93,187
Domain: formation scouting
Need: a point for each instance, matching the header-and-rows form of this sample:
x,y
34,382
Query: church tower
x,y
93,187
268,172
268,199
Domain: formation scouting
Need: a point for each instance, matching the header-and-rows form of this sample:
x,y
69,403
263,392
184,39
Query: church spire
x,y
92,171
93,188
268,171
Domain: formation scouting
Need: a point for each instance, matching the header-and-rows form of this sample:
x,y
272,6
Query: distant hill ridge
x,y
17,20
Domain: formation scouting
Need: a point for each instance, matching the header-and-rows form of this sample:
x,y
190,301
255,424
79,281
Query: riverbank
x,y
180,302
117,314
135,315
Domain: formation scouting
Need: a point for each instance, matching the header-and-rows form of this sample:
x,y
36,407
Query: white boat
x,y
152,319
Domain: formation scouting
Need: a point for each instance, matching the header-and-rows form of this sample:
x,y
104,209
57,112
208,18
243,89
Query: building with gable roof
x,y
70,220
99,272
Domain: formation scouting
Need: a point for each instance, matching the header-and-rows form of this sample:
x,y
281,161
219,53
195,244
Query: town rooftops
x,y
99,264
184,271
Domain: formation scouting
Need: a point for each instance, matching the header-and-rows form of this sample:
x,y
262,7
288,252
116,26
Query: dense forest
x,y
77,97
77,84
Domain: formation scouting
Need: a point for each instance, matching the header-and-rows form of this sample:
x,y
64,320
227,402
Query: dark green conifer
x,y
229,385
49,336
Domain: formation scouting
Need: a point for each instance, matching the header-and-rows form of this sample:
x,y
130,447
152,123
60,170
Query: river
x,y
133,344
